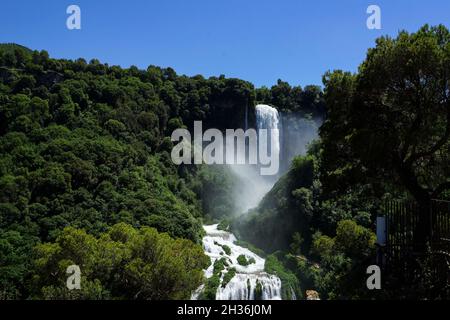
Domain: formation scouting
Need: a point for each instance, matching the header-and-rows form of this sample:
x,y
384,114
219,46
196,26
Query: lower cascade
x,y
243,270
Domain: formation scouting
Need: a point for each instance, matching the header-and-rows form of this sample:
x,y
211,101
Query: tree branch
x,y
442,141
410,181
414,127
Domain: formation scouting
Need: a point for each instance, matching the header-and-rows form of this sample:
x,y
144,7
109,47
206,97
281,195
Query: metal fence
x,y
405,250
401,222
440,222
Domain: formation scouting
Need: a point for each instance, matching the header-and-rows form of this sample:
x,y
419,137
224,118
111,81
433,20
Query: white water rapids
x,y
243,285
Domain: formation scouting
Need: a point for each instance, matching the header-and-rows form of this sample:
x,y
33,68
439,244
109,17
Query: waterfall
x,y
267,117
250,281
286,139
252,185
243,287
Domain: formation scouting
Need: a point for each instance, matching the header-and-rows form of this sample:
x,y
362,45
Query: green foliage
x,y
322,245
296,244
226,249
342,261
14,263
210,289
258,290
396,130
296,216
224,225
289,282
219,265
87,145
243,261
285,210
124,263
213,283
228,276
216,186
11,47
307,101
354,240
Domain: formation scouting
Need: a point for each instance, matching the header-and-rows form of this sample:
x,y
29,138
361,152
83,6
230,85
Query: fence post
x,y
381,240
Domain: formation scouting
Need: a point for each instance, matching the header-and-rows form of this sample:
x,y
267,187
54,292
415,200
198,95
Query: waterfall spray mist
x,y
252,185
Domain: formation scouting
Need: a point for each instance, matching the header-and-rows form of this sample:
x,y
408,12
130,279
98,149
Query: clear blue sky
x,y
256,40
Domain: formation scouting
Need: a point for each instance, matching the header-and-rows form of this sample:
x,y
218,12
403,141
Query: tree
x,y
353,239
123,263
338,168
296,244
14,253
398,118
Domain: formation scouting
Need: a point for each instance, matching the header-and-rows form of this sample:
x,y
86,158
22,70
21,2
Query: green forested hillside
x,y
86,145
13,48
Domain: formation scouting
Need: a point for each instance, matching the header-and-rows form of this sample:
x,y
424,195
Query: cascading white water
x,y
243,286
267,117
